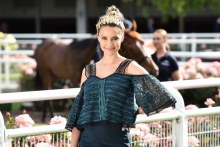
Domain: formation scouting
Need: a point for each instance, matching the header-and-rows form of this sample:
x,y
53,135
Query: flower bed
x,y
196,69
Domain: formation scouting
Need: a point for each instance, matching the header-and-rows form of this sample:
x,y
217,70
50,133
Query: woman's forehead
x,y
158,35
110,30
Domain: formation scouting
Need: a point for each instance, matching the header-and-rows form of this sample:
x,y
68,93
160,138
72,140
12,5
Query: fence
x,y
173,126
177,129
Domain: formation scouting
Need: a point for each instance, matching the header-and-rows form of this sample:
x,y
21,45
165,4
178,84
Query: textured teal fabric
x,y
114,100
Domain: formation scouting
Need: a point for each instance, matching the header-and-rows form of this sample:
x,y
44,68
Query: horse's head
x,y
132,47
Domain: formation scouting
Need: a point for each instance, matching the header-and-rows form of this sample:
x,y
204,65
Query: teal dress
x,y
105,105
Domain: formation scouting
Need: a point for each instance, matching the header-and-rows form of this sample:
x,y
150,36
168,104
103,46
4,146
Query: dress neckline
x,y
104,78
117,69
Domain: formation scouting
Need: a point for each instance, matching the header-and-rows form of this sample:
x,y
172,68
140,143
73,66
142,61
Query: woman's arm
x,y
151,96
176,75
75,131
135,69
75,137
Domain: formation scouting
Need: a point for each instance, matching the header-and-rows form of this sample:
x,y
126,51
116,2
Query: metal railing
x,y
164,130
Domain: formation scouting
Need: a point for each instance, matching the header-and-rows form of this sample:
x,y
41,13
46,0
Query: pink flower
x,y
194,61
196,69
209,102
30,72
44,138
58,120
166,110
31,139
215,64
201,66
193,141
185,76
199,76
24,120
65,87
143,127
189,107
151,140
43,144
212,70
134,132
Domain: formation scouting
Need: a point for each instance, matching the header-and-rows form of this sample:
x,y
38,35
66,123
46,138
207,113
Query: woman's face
x,y
158,40
110,39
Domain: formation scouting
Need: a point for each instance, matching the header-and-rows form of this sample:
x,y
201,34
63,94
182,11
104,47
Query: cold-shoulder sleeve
x,y
75,110
151,95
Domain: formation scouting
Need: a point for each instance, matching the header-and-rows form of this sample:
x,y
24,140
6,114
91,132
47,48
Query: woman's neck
x,y
106,60
161,52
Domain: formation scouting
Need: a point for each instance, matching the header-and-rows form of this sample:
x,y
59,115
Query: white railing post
x,y
181,131
183,45
181,127
193,47
2,131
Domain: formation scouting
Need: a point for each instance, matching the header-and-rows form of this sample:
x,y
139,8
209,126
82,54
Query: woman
x,y
168,66
105,107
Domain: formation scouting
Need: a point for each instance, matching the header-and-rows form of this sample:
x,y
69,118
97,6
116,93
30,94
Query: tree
x,y
176,8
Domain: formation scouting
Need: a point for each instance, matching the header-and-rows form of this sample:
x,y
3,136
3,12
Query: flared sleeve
x,y
75,110
151,95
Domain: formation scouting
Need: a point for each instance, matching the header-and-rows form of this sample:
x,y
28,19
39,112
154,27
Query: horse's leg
x,y
47,83
49,105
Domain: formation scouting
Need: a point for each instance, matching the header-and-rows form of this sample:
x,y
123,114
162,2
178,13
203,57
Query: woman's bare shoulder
x,y
135,69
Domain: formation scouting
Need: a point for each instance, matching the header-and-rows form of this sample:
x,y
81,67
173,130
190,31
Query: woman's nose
x,y
110,43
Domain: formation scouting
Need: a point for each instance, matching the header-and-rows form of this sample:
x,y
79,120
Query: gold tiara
x,y
110,19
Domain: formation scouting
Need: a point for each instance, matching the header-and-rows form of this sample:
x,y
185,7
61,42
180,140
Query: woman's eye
x,y
104,38
115,38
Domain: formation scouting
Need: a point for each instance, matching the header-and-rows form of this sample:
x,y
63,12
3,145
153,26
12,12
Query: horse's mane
x,y
135,35
83,44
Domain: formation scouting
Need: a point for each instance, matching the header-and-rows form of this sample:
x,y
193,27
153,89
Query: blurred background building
x,y
80,16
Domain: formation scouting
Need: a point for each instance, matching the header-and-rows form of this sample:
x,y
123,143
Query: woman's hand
x,y
140,111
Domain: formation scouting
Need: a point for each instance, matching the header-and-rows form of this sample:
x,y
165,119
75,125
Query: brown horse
x,y
59,60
